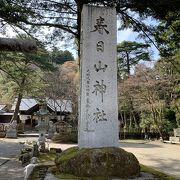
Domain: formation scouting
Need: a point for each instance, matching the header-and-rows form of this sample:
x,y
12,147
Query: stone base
x,y
12,134
98,162
2,134
174,139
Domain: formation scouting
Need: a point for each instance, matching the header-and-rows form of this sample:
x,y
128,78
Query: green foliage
x,y
168,34
166,125
64,17
66,137
60,57
170,115
146,120
20,73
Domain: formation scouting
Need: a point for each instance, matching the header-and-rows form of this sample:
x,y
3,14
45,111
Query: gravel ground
x,y
162,156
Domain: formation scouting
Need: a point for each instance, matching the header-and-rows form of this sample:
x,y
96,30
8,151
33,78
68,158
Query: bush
x,y
65,137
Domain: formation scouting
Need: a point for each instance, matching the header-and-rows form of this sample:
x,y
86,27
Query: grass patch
x,y
146,169
70,177
68,154
44,157
66,176
74,151
156,173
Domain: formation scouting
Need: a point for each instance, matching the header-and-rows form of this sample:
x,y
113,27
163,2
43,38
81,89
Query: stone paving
x,y
162,156
10,167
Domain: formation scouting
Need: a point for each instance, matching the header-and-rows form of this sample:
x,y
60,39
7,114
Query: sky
x,y
123,35
128,35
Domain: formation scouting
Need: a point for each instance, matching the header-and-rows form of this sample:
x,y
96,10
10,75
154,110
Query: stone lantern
x,y
43,116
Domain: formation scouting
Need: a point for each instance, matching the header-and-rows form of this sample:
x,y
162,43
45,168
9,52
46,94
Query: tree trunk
x,y
16,111
128,63
125,125
78,36
135,121
156,123
18,45
19,98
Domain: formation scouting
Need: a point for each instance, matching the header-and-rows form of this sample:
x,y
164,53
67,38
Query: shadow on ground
x,y
138,145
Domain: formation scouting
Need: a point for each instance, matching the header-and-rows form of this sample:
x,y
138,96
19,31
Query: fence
x,y
137,133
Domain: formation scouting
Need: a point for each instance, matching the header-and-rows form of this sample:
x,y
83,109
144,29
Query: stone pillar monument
x,y
98,110
98,116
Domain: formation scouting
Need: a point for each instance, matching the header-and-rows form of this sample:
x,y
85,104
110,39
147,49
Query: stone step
x,y
30,135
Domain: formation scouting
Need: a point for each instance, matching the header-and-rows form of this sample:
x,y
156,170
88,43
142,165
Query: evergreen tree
x,y
167,34
60,57
64,16
129,54
23,72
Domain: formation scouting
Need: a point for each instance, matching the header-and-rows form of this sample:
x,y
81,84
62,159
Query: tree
x,y
60,57
62,86
151,95
129,54
167,34
154,91
127,104
169,69
65,16
22,70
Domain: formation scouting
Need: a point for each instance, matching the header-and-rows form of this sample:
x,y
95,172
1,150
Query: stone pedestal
x,y
11,130
177,132
98,115
42,128
104,163
176,137
51,130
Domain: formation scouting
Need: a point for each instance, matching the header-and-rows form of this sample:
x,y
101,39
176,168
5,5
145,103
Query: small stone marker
x,y
98,116
177,132
176,137
11,130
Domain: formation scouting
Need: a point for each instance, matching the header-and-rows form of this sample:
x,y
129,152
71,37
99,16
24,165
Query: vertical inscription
x,y
87,101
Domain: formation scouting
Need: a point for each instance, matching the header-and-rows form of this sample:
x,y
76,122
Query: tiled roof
x,y
26,103
59,105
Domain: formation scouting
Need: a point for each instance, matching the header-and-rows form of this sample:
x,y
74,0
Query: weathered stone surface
x,y
98,116
2,134
39,171
99,162
177,132
11,130
55,150
174,139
